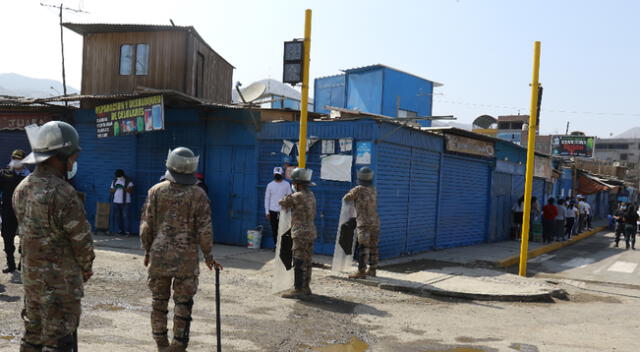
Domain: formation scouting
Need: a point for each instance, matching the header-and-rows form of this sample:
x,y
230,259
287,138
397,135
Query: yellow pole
x,y
305,90
531,148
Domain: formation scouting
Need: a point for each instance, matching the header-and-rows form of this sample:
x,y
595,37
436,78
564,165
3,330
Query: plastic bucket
x,y
254,238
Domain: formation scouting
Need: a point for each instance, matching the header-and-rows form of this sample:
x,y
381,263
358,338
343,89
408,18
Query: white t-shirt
x,y
587,208
274,194
120,193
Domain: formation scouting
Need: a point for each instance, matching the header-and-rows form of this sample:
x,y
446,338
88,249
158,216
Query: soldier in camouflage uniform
x,y
57,248
367,223
176,221
303,230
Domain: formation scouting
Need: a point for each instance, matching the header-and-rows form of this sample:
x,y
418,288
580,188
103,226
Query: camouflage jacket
x,y
57,247
365,200
303,213
175,221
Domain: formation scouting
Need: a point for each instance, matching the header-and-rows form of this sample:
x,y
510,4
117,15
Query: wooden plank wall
x,y
218,73
101,62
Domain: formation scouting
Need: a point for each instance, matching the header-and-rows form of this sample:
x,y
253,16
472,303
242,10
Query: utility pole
x,y
60,8
531,148
305,90
567,131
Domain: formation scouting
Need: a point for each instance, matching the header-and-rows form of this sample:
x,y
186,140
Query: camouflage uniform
x,y
57,249
176,220
303,228
368,224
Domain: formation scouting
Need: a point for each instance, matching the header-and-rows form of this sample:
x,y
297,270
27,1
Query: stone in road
x,y
116,315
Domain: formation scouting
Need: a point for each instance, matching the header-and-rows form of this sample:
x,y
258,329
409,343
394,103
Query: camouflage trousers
x,y
368,246
303,251
184,288
49,322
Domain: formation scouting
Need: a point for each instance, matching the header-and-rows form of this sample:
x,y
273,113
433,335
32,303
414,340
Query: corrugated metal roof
x,y
376,66
511,118
88,28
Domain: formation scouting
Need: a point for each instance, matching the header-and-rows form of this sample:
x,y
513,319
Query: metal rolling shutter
x,y
463,215
423,200
392,182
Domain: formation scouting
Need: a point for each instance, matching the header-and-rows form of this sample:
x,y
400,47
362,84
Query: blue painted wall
x,y
413,94
364,91
329,91
226,145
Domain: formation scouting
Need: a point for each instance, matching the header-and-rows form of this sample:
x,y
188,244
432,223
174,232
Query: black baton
x,y
219,339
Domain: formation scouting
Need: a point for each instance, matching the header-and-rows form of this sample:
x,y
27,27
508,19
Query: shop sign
x,y
17,121
130,117
466,145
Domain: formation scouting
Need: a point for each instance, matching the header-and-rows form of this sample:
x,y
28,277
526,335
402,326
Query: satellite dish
x,y
253,92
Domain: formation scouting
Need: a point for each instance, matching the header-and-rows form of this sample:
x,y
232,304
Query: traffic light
x,y
293,65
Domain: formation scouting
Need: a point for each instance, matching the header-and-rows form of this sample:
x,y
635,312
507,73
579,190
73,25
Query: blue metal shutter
x,y
12,140
423,200
392,182
502,202
463,215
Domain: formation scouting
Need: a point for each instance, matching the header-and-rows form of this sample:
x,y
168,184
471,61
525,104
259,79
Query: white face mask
x,y
74,169
15,164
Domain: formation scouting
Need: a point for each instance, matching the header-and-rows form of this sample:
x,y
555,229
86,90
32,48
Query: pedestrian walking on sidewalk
x,y
303,230
276,191
367,223
57,248
549,213
631,226
176,220
10,177
560,220
570,216
619,218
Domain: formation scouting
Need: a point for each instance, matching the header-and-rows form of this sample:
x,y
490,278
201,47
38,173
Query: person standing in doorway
x,y
549,213
121,190
276,191
10,177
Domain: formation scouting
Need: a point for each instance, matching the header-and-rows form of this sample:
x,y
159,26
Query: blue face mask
x,y
74,170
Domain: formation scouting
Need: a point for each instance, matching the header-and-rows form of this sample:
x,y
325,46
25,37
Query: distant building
x,y
122,58
376,89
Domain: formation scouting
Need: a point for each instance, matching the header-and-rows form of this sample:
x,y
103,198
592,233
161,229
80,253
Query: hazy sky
x,y
481,50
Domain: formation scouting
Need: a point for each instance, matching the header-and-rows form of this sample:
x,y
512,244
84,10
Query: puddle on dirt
x,y
355,345
109,307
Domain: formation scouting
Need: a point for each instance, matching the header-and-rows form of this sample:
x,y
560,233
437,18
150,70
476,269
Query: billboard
x,y
568,146
130,117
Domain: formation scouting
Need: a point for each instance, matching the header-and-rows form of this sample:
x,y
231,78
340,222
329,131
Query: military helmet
x,y
302,176
365,175
52,138
18,154
181,166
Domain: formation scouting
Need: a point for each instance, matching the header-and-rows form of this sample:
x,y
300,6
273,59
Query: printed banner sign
x,y
363,150
130,117
581,146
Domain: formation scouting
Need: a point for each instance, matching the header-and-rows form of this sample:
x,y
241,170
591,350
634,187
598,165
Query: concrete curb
x,y
550,248
428,290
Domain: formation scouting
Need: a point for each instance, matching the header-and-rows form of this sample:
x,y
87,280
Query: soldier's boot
x,y
26,346
181,324
372,271
298,281
64,344
162,341
306,287
11,265
363,258
360,274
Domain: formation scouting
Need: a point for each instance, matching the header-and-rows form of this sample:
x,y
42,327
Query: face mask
x,y
15,164
74,170
277,177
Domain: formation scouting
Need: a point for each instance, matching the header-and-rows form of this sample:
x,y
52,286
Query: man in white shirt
x,y
121,189
588,215
582,217
276,190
